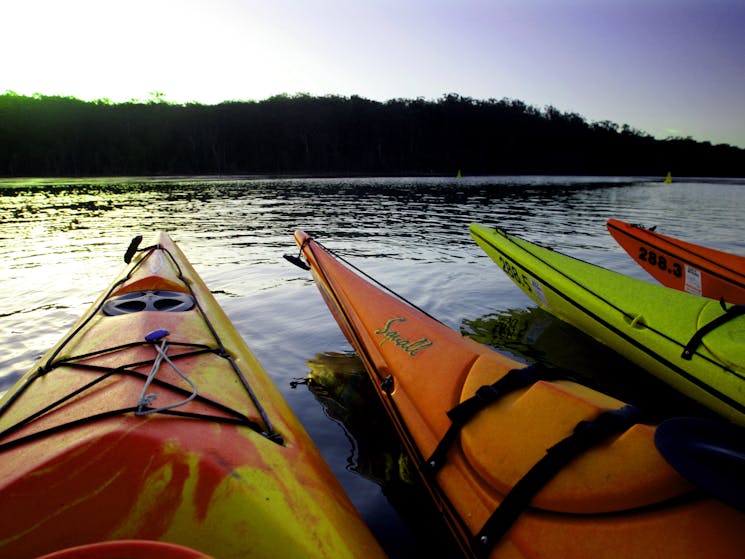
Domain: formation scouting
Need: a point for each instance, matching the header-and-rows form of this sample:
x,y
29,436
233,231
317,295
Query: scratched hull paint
x,y
87,456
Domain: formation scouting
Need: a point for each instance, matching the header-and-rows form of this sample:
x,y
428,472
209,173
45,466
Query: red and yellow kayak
x,y
151,420
520,462
681,265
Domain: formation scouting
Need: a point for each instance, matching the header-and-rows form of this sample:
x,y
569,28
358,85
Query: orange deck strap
x,y
485,395
586,435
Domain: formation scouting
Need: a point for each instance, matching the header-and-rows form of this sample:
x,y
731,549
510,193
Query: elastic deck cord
x,y
142,407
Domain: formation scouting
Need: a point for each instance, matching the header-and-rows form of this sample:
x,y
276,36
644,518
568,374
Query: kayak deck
x,y
152,420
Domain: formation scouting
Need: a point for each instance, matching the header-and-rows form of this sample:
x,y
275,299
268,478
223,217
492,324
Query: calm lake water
x,y
62,242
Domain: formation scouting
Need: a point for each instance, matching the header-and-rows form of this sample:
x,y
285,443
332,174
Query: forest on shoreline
x,y
53,136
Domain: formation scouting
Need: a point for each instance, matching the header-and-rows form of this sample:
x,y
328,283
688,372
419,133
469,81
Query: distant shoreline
x,y
328,137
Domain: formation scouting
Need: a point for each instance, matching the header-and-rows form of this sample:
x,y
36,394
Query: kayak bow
x,y
681,265
152,420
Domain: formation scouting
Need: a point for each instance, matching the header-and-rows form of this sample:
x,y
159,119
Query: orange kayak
x,y
151,420
520,462
681,265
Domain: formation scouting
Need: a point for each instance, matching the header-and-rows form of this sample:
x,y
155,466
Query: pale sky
x,y
665,67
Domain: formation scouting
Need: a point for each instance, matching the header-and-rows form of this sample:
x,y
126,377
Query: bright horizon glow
x,y
665,67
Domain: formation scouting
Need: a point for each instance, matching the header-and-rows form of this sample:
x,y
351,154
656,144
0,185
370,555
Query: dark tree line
x,y
63,136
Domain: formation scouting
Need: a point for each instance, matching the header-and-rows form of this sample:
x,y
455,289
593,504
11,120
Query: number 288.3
x,y
658,260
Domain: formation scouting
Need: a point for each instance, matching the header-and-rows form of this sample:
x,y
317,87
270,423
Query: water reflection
x,y
339,383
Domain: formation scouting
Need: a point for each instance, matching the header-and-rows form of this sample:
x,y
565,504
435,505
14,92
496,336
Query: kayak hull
x,y
619,498
106,439
649,324
681,265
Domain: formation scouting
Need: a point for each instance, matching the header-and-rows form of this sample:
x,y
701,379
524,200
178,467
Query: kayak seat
x,y
505,440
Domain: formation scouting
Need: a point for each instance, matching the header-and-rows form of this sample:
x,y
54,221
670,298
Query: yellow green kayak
x,y
692,343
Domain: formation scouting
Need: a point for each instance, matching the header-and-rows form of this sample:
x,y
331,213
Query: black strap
x,y
461,414
733,312
586,435
4,446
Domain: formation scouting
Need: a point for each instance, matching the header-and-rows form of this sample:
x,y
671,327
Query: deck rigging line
x,y
52,363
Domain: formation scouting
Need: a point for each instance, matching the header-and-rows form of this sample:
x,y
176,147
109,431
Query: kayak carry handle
x,y
133,246
297,261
